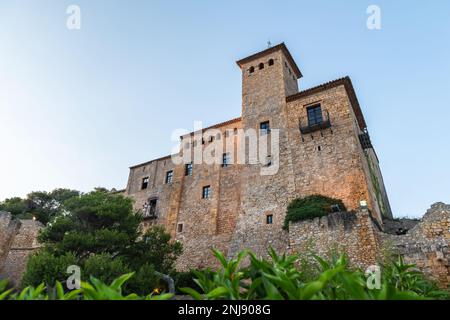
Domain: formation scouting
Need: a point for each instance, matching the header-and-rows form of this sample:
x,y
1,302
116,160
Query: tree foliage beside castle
x,y
100,233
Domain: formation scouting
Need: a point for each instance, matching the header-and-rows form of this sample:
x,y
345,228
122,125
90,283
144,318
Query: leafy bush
x,y
279,279
184,279
310,207
47,268
95,289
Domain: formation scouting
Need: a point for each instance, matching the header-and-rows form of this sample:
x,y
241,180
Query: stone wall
x,y
425,245
352,232
18,239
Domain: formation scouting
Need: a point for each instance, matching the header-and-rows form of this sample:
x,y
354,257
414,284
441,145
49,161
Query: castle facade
x,y
322,147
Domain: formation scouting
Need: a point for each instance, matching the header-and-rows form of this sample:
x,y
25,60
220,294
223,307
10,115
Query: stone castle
x,y
324,148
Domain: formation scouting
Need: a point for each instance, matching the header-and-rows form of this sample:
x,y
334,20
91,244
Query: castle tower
x,y
268,77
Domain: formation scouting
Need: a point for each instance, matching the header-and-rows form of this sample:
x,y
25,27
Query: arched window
x,y
251,70
271,62
261,66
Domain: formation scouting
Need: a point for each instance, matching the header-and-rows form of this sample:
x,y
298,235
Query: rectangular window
x,y
169,176
150,209
226,159
180,227
206,192
269,219
188,169
314,115
144,183
264,127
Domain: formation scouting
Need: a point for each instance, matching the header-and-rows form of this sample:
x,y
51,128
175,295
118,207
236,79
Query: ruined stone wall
x,y
350,232
18,239
425,245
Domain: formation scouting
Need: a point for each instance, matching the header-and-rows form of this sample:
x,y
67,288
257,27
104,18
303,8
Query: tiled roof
x,y
281,47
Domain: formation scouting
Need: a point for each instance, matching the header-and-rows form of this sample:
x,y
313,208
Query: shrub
x,y
46,267
184,279
311,207
104,267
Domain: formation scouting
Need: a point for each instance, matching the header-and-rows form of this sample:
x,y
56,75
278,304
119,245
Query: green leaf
x,y
193,293
216,293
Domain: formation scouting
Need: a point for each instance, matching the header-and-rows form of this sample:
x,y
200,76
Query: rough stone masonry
x,y
324,148
18,239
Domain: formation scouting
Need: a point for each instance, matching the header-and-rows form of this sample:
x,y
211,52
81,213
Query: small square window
x,y
180,227
206,194
269,219
264,127
188,169
144,183
169,176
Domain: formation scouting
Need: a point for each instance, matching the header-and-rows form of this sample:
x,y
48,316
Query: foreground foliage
x,y
92,290
279,278
275,278
311,207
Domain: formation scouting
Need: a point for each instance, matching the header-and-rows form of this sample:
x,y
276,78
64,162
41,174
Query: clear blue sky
x,y
77,108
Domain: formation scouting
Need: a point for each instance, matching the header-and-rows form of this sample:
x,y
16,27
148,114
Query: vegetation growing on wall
x,y
311,207
376,185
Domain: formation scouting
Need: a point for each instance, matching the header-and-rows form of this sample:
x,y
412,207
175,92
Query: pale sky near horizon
x,y
78,107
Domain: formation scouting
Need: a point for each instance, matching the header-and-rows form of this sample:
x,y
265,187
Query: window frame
x,y
264,131
314,115
188,169
226,159
169,177
145,181
206,192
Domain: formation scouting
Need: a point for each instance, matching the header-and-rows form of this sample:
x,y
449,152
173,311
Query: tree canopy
x,y
100,232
